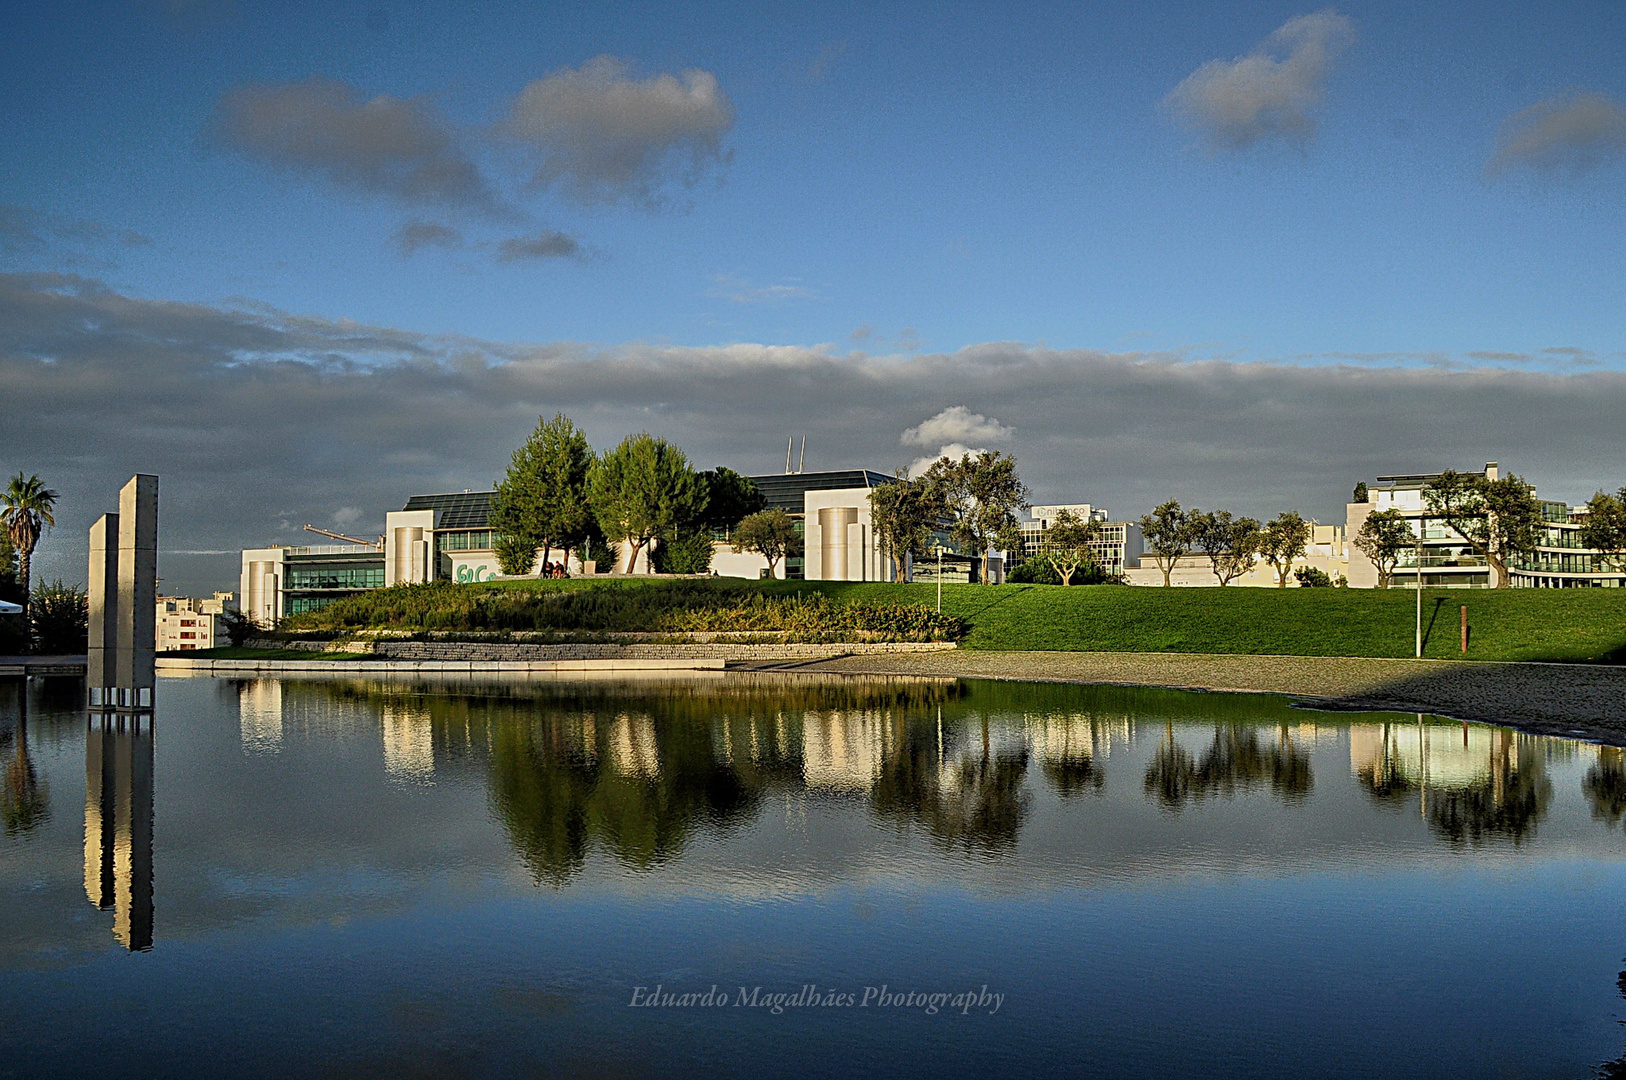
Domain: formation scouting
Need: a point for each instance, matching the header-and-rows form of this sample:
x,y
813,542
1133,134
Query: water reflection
x,y
25,802
118,823
640,770
1235,761
1472,784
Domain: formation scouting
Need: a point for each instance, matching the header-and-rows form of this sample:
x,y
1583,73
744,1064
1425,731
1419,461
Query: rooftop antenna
x,y
790,444
803,459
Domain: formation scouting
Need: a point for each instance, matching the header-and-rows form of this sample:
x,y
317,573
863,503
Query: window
x,y
189,622
334,576
471,540
188,635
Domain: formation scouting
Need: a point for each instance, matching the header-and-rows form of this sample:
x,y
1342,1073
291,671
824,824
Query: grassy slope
x,y
1507,624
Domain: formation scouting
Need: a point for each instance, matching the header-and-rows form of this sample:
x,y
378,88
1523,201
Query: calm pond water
x,y
360,878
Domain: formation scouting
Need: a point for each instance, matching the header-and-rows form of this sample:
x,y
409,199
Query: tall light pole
x,y
1419,654
940,579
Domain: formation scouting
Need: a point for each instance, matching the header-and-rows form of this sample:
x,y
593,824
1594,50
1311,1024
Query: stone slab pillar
x,y
138,589
104,592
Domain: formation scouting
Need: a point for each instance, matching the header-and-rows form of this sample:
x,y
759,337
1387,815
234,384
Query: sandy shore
x,y
1550,699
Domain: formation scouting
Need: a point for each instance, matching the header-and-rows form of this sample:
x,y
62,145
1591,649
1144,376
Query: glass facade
x,y
296,605
333,576
468,540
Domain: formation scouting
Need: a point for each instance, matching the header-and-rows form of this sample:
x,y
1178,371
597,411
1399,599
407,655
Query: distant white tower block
x,y
124,622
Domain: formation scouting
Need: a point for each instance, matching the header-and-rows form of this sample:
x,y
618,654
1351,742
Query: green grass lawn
x,y
1574,625
1505,624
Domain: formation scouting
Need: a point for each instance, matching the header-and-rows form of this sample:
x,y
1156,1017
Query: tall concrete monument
x,y
123,599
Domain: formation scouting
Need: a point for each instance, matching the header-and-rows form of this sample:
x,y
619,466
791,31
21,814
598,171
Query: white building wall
x,y
409,547
259,585
839,537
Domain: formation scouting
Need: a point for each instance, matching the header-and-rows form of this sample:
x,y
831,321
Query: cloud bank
x,y
259,420
1568,134
1274,92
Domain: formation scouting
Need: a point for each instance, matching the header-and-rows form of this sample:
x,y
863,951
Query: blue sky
x,y
975,173
887,189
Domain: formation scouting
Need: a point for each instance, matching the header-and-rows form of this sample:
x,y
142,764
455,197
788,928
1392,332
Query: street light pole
x,y
1419,654
940,579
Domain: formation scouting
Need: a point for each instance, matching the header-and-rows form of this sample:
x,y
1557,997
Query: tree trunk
x,y
1499,564
1166,570
634,546
25,565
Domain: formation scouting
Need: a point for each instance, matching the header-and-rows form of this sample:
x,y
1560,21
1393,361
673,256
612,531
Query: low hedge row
x,y
671,606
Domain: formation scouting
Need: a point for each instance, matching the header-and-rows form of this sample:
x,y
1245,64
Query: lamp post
x,y
1419,654
940,579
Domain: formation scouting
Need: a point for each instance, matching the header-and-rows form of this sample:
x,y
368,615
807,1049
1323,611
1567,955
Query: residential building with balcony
x,y
1118,545
186,623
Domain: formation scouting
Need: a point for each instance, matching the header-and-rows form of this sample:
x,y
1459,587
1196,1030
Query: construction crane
x,y
378,544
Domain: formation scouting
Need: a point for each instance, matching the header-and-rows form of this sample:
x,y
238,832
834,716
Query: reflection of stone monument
x,y
119,691
123,595
118,824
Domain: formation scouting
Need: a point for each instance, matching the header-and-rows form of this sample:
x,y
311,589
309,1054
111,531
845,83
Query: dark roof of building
x,y
783,491
459,510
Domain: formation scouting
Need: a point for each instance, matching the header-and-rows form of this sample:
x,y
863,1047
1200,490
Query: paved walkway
x,y
1560,699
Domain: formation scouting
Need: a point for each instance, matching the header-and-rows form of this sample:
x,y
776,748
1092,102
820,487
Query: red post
x,y
1464,627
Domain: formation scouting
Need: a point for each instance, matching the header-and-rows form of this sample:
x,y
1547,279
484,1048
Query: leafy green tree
x,y
982,493
240,626
1068,541
1230,543
1603,529
1383,537
771,534
1284,540
1497,518
541,504
1361,493
643,489
685,551
730,498
904,514
1311,578
27,507
1166,532
59,616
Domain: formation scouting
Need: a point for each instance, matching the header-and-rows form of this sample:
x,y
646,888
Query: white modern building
x,y
1118,546
1449,562
1328,551
186,623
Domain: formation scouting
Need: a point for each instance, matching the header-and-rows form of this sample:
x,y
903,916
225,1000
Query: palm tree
x,y
25,508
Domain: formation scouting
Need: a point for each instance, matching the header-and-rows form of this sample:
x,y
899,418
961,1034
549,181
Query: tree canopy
x,y
1229,542
983,493
904,513
770,533
1166,532
1497,518
1383,537
1603,529
1068,542
27,508
541,503
642,489
1284,540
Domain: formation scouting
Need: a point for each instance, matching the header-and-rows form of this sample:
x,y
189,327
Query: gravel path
x,y
1551,699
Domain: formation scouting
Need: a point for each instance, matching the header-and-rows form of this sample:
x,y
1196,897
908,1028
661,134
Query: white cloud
x,y
742,291
606,136
347,515
954,425
1571,134
1273,92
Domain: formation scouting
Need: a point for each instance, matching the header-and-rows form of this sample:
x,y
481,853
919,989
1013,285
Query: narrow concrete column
x,y
104,593
138,589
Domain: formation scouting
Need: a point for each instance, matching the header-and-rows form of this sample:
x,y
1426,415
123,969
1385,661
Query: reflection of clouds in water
x,y
259,716
632,750
409,744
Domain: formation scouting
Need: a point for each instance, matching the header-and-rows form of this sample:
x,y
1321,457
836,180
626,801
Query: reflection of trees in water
x,y
1074,774
556,789
1616,1069
1509,802
1234,761
25,800
971,798
1605,785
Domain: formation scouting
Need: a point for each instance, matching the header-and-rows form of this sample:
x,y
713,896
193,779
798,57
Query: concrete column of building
x,y
833,545
103,578
137,589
